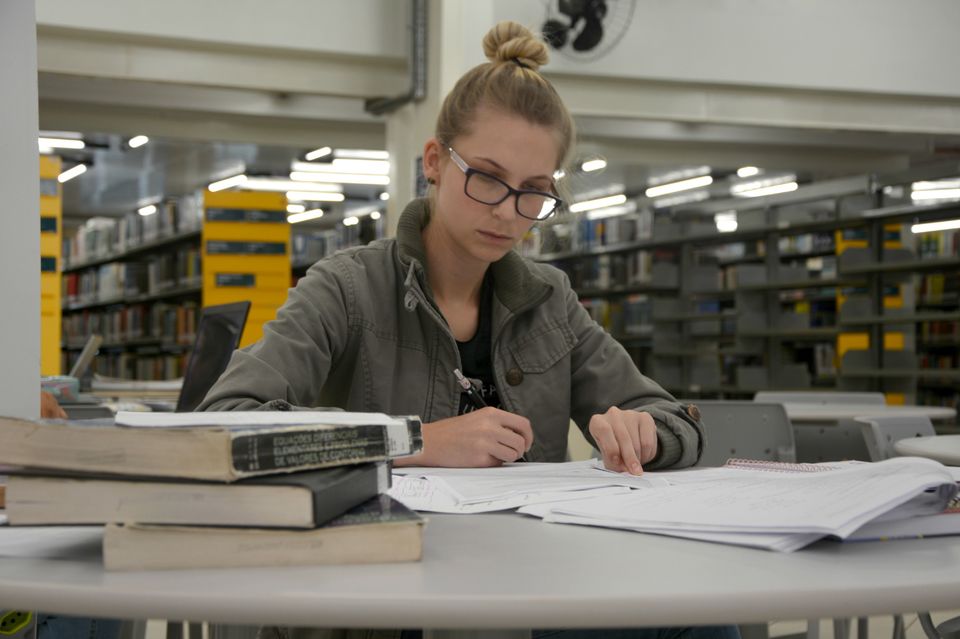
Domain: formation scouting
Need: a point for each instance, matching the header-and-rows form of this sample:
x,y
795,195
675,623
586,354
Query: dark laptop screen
x,y
218,335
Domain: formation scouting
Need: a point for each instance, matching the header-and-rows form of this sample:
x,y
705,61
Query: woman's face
x,y
522,154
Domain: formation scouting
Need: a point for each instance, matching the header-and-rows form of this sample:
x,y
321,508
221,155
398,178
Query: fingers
x,y
512,440
517,424
648,437
627,439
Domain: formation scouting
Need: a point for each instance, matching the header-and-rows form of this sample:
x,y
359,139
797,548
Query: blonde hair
x,y
510,82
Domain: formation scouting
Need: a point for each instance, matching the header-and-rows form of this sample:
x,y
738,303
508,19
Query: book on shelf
x,y
380,530
291,500
217,446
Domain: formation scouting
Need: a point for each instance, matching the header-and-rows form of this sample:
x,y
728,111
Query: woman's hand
x,y
627,439
485,437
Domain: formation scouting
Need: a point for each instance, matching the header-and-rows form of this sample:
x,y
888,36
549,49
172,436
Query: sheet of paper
x,y
50,542
422,494
514,481
836,502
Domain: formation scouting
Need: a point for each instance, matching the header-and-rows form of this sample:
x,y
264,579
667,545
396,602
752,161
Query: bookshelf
x,y
51,225
142,281
794,299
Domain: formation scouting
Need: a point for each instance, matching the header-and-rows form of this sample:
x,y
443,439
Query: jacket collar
x,y
515,282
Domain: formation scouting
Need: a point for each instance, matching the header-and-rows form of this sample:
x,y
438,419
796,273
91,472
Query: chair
x,y
880,433
746,430
820,442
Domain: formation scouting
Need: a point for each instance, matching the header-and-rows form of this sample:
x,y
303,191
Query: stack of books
x,y
206,490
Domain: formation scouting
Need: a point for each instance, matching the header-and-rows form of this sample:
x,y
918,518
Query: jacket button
x,y
693,412
514,376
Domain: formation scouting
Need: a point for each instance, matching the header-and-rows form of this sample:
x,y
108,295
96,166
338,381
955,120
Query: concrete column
x,y
19,212
455,33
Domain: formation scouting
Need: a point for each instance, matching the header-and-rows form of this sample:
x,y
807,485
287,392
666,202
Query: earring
x,y
431,181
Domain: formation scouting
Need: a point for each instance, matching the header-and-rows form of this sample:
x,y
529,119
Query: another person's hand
x,y
485,437
627,439
49,407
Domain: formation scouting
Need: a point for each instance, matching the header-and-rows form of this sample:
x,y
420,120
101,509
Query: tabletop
x,y
834,412
943,448
509,571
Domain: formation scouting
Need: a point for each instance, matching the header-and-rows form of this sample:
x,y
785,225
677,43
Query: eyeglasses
x,y
489,189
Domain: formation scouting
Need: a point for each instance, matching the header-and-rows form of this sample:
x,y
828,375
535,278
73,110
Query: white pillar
x,y
455,33
19,212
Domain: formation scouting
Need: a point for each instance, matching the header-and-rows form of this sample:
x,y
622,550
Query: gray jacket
x,y
361,332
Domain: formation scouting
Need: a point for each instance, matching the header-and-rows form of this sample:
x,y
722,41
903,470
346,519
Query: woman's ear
x,y
432,153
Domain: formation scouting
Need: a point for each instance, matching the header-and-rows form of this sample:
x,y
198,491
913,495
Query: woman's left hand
x,y
627,439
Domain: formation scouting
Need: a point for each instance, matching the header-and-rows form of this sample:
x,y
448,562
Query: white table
x,y
943,448
800,412
507,571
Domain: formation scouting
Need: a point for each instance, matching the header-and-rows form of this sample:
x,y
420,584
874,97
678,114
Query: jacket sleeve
x,y
286,369
604,375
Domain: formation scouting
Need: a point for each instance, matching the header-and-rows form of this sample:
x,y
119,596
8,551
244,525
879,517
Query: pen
x,y
473,395
471,392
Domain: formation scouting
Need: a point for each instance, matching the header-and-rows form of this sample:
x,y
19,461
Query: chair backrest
x,y
218,335
746,430
818,397
880,433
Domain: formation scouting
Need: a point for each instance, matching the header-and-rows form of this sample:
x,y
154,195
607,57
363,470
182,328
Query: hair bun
x,y
509,42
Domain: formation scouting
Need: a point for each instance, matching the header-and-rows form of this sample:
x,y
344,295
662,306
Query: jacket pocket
x,y
537,351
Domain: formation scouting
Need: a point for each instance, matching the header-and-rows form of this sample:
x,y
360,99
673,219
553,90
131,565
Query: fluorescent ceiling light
x,y
747,171
375,215
936,185
60,143
612,211
678,175
366,167
361,154
682,185
71,173
282,185
137,141
351,221
773,189
316,154
374,167
681,198
593,165
340,178
303,216
930,227
599,203
559,174
314,196
149,209
228,183
726,221
384,196
296,208
935,194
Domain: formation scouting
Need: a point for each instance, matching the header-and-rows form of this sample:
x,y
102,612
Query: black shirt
x,y
475,357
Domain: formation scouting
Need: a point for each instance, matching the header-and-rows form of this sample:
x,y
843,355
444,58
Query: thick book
x,y
216,446
292,500
380,530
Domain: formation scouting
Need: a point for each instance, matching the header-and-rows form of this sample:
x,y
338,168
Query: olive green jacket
x,y
361,332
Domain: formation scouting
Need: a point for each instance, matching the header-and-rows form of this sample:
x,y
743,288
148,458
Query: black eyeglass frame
x,y
469,171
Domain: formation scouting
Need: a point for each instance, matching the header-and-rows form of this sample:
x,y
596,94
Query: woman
x,y
384,327
387,327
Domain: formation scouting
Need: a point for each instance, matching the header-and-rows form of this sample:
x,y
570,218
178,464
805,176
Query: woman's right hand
x,y
484,437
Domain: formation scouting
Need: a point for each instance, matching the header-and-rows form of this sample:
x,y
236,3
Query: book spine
x,y
286,449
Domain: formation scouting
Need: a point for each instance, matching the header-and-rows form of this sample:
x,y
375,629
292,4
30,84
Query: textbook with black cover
x,y
217,446
291,500
380,530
